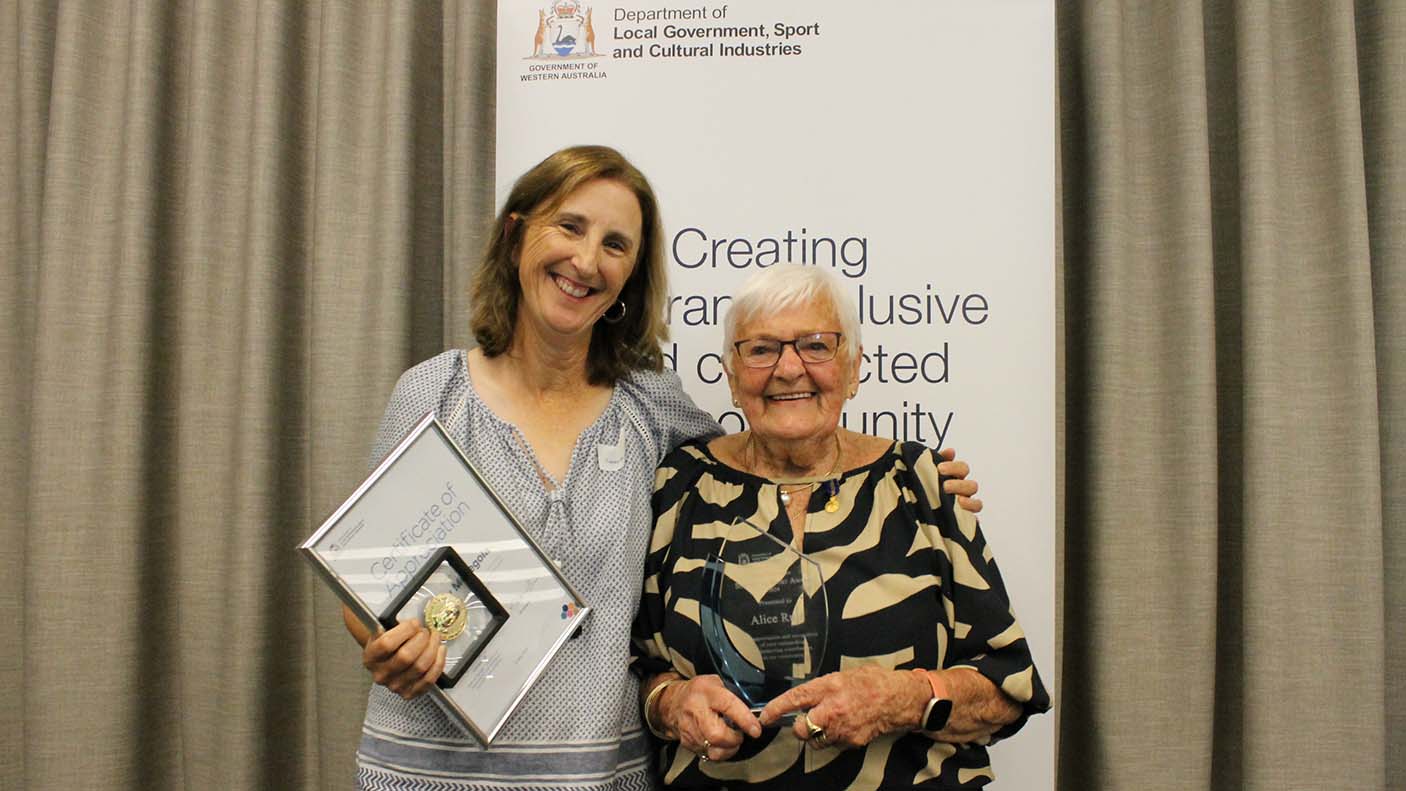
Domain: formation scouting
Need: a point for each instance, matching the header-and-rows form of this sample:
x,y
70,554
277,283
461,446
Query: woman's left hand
x,y
852,707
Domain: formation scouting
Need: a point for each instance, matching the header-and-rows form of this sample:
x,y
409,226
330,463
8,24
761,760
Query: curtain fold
x,y
1232,542
1381,64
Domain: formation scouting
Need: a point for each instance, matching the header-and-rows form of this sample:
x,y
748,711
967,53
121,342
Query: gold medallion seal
x,y
446,614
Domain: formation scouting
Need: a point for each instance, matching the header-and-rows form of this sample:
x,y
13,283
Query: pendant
x,y
832,505
785,498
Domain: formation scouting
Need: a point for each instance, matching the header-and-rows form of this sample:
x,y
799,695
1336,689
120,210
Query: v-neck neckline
x,y
548,483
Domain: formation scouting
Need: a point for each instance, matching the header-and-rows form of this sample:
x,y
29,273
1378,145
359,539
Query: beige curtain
x,y
226,227
1234,565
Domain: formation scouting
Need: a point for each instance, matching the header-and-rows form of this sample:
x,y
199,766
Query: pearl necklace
x,y
832,486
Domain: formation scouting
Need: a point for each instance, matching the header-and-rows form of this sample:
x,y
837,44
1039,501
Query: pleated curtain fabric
x,y
227,227
1234,316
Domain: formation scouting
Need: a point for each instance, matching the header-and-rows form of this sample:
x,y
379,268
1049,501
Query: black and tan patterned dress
x,y
910,583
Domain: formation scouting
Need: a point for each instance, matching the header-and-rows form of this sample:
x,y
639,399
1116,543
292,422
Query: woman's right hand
x,y
407,660
706,717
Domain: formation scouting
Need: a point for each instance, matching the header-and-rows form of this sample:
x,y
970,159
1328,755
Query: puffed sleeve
x,y
985,635
420,389
669,415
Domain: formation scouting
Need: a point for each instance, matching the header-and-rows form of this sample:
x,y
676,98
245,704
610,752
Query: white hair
x,y
786,286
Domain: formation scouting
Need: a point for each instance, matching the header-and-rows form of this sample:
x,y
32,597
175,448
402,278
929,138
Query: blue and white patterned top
x,y
579,726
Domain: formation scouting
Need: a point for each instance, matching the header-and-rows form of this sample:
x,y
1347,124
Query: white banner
x,y
907,145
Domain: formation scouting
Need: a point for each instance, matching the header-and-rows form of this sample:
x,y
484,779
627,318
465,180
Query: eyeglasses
x,y
817,347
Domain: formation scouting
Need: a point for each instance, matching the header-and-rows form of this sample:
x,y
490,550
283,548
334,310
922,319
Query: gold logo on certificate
x,y
447,615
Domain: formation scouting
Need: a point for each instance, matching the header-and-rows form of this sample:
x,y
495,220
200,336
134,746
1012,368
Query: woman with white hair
x,y
924,662
568,311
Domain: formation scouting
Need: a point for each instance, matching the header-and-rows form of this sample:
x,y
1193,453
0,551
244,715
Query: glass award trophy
x,y
764,615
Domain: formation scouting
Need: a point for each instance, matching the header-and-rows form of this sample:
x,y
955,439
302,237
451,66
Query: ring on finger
x,y
703,754
818,739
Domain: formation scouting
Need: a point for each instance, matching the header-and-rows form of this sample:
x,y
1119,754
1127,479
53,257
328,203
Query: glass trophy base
x,y
763,615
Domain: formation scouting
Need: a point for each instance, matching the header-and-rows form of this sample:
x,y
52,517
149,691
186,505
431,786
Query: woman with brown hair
x,y
565,408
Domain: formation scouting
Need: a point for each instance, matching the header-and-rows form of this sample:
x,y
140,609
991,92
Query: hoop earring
x,y
609,319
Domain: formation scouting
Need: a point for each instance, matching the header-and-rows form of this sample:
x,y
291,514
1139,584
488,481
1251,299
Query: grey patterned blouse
x,y
579,726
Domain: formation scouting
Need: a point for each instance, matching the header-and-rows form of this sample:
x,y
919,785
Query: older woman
x,y
925,662
565,410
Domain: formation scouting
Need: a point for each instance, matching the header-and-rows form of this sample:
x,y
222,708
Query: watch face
x,y
935,718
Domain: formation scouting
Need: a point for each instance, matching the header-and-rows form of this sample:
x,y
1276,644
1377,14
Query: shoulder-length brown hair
x,y
616,349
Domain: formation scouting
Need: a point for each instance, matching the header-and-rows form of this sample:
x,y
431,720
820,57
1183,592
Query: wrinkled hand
x,y
853,706
703,710
956,482
407,660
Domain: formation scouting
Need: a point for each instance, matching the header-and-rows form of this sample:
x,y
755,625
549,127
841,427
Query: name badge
x,y
612,457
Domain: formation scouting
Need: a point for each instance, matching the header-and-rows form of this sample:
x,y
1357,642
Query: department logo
x,y
568,611
564,30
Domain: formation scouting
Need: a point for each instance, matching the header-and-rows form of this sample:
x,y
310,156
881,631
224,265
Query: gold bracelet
x,y
649,704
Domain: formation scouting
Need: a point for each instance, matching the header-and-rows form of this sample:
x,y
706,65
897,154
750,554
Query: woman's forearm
x,y
653,689
979,707
355,626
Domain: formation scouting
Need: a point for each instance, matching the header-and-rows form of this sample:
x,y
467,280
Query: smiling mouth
x,y
570,288
790,396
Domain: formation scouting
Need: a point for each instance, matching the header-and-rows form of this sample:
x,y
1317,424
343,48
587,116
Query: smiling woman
x,y
565,410
575,261
567,310
617,346
924,663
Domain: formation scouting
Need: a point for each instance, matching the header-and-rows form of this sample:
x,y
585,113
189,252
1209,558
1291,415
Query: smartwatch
x,y
938,710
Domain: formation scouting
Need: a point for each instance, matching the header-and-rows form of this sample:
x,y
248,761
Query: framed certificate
x,y
423,537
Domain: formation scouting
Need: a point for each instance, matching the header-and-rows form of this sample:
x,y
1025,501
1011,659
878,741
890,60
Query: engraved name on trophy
x,y
763,613
423,537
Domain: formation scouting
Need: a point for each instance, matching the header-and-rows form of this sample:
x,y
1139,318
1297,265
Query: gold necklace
x,y
832,486
795,487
